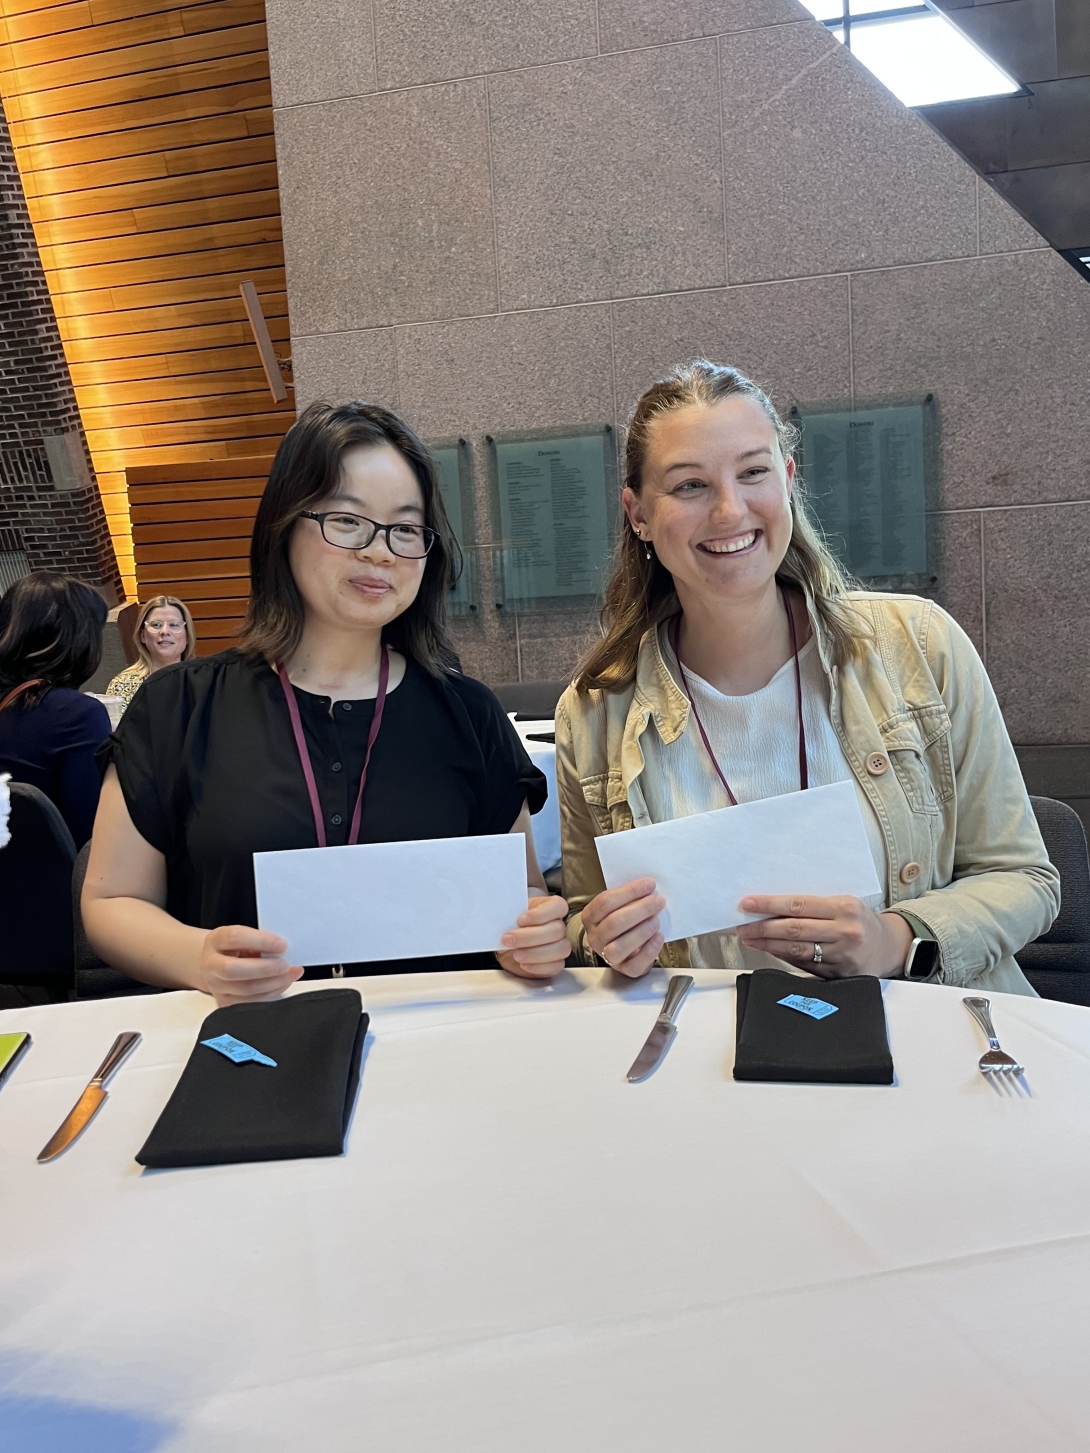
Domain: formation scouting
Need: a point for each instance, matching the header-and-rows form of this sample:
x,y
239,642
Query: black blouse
x,y
211,775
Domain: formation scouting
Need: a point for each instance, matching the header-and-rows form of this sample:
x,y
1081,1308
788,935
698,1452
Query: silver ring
x,y
818,955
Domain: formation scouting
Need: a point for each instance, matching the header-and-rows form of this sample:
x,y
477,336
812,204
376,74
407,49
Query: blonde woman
x,y
163,634
737,664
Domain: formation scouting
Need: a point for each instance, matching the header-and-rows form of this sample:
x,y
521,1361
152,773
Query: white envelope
x,y
372,901
810,842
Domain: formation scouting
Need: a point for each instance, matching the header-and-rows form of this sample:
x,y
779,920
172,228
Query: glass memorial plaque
x,y
556,507
452,462
866,473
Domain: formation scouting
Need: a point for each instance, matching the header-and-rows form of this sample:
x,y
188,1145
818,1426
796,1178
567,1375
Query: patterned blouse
x,y
128,682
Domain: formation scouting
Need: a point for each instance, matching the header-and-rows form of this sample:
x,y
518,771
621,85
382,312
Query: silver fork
x,y
996,1061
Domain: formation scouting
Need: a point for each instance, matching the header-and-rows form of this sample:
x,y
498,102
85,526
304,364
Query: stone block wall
x,y
513,214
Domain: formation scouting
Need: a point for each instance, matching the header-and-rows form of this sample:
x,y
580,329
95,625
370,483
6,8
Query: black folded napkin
x,y
775,1042
221,1112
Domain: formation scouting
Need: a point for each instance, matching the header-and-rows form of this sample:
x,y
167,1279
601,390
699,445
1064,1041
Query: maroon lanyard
x,y
304,755
804,776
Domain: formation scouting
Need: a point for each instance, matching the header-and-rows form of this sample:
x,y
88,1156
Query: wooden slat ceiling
x,y
191,526
144,137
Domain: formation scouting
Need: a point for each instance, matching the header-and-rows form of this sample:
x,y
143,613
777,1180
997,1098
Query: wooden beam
x,y
269,361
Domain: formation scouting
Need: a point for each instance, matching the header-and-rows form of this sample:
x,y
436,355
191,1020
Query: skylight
x,y
914,51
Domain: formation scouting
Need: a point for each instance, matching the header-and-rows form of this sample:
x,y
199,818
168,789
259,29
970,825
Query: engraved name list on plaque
x,y
555,516
867,476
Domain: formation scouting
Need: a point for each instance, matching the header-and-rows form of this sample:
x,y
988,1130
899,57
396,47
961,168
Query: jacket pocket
x,y
917,742
608,803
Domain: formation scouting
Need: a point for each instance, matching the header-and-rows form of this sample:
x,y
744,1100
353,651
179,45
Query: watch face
x,y
923,961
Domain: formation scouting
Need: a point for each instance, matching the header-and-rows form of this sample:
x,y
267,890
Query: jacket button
x,y
910,872
877,764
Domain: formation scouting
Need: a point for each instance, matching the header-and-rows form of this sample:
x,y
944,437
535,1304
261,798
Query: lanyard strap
x,y
804,775
304,754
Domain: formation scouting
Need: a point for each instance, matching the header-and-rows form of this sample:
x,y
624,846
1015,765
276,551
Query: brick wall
x,y
50,508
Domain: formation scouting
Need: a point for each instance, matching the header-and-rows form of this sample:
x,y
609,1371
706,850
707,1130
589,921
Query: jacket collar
x,y
659,695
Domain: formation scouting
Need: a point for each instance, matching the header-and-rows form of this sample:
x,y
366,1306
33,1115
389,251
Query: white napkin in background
x,y
115,707
5,809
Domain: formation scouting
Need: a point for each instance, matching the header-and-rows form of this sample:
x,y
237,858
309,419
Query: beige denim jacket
x,y
922,731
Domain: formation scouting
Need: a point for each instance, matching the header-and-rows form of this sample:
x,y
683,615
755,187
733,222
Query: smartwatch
x,y
923,959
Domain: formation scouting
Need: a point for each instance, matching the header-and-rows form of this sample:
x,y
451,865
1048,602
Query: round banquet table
x,y
521,1251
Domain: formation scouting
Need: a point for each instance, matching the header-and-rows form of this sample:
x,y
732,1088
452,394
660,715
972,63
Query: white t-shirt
x,y
756,740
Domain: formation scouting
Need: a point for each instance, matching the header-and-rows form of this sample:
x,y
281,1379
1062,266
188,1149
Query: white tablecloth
x,y
546,823
522,1253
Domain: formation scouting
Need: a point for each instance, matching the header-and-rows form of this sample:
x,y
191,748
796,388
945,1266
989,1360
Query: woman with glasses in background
x,y
342,716
163,634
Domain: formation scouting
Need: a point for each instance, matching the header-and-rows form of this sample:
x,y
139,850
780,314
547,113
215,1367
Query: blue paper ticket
x,y
816,1008
235,1049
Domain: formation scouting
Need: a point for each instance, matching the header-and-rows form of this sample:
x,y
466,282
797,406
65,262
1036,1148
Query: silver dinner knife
x,y
658,1040
89,1103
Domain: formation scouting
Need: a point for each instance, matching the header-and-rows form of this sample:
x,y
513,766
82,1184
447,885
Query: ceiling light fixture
x,y
914,50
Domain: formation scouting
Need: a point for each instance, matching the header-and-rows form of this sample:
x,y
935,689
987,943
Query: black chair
x,y
35,895
1058,963
534,700
94,979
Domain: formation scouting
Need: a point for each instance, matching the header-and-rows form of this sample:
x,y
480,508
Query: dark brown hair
x,y
307,468
641,594
50,629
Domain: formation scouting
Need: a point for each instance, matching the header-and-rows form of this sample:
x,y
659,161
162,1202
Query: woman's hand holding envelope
x,y
235,966
622,926
853,938
538,947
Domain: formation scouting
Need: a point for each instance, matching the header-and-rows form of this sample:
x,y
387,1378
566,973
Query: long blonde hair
x,y
641,594
157,602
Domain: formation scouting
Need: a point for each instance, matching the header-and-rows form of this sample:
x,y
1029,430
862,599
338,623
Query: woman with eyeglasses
x,y
341,717
163,634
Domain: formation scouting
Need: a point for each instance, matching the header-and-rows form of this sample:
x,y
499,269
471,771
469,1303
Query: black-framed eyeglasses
x,y
356,532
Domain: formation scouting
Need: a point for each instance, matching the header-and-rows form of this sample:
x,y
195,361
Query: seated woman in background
x,y
737,664
50,643
341,717
163,634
